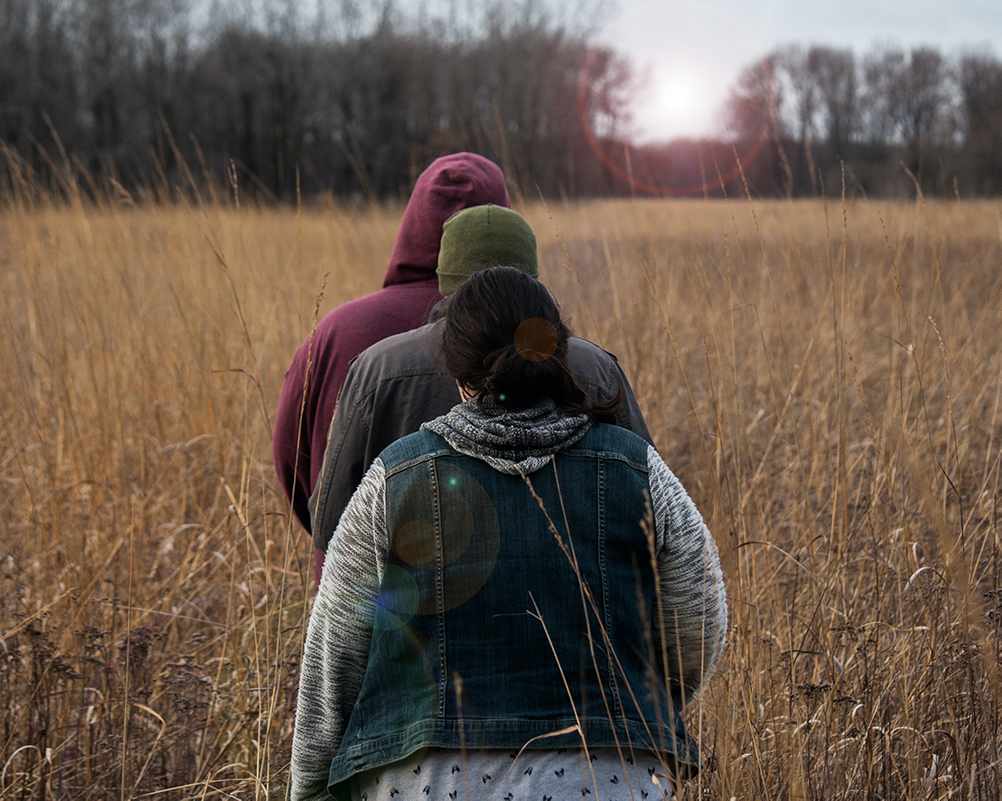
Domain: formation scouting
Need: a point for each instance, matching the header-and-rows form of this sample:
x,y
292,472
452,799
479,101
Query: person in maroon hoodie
x,y
410,290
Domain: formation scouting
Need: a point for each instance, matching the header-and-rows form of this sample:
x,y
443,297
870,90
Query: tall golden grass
x,y
824,377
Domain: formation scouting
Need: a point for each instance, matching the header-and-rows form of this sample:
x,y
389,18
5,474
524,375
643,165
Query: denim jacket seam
x,y
617,707
603,454
619,722
436,501
414,461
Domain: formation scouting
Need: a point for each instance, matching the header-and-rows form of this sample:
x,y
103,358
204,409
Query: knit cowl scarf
x,y
512,441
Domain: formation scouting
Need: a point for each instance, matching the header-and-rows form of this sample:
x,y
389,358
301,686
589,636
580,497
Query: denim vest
x,y
485,636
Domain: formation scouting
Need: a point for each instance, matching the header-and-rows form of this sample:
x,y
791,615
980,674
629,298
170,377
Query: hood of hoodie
x,y
450,184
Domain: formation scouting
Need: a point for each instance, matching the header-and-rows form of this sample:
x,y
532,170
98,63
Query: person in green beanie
x,y
397,384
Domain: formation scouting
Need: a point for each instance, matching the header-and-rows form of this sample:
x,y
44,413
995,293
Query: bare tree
x,y
834,74
979,77
794,63
756,121
796,73
883,72
753,106
920,100
38,72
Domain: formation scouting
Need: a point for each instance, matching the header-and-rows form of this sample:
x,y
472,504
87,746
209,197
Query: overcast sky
x,y
693,51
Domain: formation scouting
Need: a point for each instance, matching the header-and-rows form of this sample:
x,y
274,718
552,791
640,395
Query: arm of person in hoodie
x,y
336,651
693,598
291,438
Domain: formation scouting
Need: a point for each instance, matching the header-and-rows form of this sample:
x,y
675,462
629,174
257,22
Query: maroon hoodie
x,y
410,289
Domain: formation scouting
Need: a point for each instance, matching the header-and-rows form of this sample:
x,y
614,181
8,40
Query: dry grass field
x,y
825,379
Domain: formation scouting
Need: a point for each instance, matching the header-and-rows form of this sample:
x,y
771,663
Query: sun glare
x,y
677,96
686,50
675,104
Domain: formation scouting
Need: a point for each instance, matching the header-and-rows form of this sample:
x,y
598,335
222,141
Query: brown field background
x,y
823,377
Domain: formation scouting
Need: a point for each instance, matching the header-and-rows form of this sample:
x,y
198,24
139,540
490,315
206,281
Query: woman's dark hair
x,y
504,338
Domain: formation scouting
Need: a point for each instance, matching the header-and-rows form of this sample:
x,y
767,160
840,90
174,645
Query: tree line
x,y
354,100
896,121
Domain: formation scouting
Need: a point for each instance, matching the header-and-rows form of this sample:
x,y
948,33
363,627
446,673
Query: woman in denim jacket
x,y
519,600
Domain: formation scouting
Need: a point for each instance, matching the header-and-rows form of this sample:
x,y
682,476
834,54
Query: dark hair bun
x,y
504,337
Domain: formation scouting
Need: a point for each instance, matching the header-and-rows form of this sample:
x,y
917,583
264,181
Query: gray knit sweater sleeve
x,y
338,635
692,585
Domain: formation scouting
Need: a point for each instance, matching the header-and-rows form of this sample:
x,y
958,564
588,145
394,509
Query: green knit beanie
x,y
480,237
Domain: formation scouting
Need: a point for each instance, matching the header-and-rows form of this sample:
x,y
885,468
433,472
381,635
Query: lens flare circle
x,y
446,539
536,339
398,599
